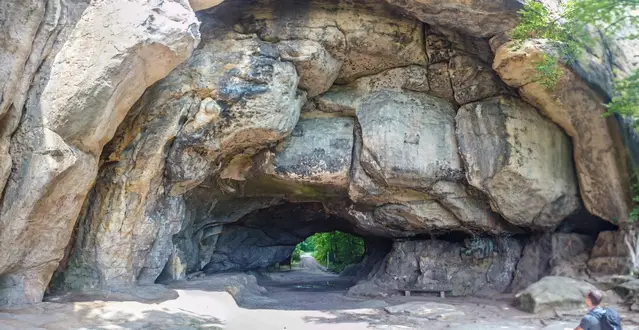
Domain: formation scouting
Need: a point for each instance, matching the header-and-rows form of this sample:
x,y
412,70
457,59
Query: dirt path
x,y
297,299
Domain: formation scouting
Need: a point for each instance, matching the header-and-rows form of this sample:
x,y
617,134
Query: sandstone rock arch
x,y
398,121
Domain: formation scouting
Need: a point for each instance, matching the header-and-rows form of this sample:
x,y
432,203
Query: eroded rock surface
x,y
422,125
484,18
518,158
435,265
247,98
318,152
97,75
289,119
601,162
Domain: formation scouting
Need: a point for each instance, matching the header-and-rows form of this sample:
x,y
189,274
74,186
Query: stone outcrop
x,y
97,75
366,37
247,97
518,158
554,294
326,163
437,265
600,161
556,254
132,151
422,125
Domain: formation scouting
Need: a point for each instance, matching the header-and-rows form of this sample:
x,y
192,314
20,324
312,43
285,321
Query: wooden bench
x,y
435,288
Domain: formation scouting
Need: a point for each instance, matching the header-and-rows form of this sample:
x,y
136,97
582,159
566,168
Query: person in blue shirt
x,y
591,321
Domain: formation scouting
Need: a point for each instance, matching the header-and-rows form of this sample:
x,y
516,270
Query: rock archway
x,y
388,126
394,122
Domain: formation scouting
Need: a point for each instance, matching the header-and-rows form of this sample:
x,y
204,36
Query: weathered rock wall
x,y
78,100
393,116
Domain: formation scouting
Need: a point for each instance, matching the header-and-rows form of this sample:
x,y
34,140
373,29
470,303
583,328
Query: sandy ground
x,y
297,299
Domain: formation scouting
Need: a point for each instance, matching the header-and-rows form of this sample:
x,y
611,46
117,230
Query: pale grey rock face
x,y
443,266
424,128
483,18
518,158
97,75
318,152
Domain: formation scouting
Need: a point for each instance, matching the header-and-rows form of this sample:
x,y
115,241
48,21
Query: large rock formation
x,y
518,158
481,264
96,76
600,159
128,154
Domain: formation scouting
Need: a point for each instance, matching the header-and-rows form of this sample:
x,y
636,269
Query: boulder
x,y
345,99
600,159
95,78
470,207
418,217
553,293
318,152
484,18
248,99
517,158
423,125
570,253
556,254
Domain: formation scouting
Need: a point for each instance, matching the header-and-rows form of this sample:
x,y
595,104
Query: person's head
x,y
593,298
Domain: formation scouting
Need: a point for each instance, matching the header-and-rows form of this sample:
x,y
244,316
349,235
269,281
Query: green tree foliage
x,y
341,249
308,245
572,31
297,254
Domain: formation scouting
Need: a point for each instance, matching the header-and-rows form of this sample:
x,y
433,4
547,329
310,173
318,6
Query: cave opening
x,y
335,251
323,247
302,133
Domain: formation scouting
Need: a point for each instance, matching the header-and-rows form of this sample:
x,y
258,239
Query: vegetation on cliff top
x,y
577,26
574,28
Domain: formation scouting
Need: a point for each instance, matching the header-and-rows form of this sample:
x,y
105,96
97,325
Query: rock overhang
x,y
216,139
